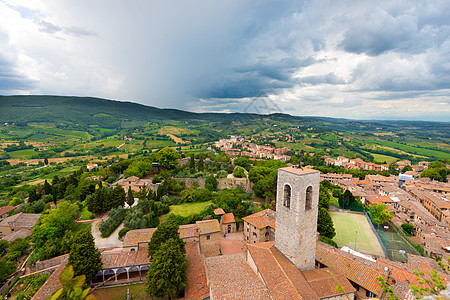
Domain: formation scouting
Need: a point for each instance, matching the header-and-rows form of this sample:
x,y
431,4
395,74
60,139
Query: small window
x,y
208,237
287,196
308,202
370,294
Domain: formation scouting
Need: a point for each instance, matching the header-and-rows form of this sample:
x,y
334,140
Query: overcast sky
x,y
351,59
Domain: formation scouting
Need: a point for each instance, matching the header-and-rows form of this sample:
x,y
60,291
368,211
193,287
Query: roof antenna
x,y
300,164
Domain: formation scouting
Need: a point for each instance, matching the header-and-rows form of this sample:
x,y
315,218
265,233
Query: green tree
x,y
393,169
192,163
130,197
200,164
72,287
379,213
117,197
243,162
325,224
408,228
54,224
6,269
324,198
168,158
47,188
211,183
84,256
406,168
165,231
239,172
3,246
167,273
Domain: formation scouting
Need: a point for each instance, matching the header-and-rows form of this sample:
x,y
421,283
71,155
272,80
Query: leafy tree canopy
x,y
167,273
165,231
168,158
379,213
325,224
84,256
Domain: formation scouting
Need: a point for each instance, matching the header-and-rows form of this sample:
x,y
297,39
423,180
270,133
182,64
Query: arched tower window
x,y
308,202
287,196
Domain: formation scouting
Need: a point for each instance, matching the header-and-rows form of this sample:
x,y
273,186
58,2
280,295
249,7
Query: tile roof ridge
x,y
282,270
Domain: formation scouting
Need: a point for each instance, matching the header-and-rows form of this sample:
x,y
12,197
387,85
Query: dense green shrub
x,y
115,218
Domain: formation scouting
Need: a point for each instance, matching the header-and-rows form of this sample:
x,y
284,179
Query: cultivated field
x,y
354,228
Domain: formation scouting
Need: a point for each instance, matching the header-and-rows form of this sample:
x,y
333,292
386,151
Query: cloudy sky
x,y
350,59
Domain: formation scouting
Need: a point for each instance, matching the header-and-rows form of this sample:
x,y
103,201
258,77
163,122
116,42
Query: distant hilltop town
x,y
358,163
238,146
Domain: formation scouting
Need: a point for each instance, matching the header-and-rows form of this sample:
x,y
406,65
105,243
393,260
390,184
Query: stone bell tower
x,y
296,221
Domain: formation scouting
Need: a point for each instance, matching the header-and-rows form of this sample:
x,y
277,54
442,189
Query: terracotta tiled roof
x,y
5,209
121,258
379,199
134,237
298,171
208,226
52,284
140,236
22,233
355,270
279,285
188,231
21,220
324,285
230,277
228,218
197,283
286,281
219,211
262,219
425,264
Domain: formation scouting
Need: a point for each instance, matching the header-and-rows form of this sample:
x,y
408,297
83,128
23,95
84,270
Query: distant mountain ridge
x,y
95,111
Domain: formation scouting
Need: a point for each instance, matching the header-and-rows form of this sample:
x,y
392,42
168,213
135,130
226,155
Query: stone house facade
x,y
260,227
209,237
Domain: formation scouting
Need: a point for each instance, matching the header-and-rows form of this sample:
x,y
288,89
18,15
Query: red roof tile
x,y
5,209
52,284
197,283
262,219
219,211
230,277
356,271
228,218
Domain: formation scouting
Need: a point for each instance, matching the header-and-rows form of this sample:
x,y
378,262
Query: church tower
x,y
296,220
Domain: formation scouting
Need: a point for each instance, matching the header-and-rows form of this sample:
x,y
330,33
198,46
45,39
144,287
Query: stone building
x,y
18,222
260,227
285,268
227,223
4,211
209,237
296,222
139,238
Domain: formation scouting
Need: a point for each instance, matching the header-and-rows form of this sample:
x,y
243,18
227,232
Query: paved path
x,y
110,242
233,243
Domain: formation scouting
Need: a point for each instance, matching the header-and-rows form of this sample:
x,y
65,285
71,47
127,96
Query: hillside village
x,y
225,199
232,150
251,259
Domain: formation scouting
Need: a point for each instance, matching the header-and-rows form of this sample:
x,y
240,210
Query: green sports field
x,y
354,231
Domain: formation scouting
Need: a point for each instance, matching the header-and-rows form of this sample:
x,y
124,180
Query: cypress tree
x,y
84,257
167,273
325,224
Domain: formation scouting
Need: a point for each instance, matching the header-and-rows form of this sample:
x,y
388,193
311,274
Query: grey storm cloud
x,y
51,28
202,54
